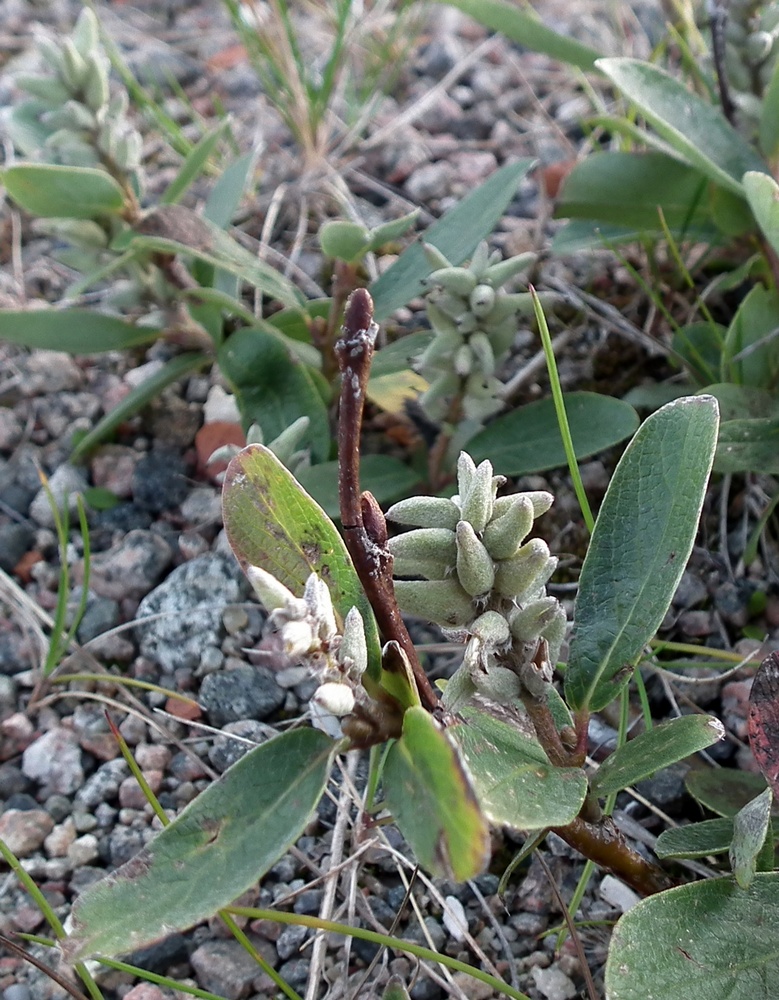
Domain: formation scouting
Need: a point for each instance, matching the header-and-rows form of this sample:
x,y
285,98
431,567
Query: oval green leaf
x,y
431,798
630,189
696,840
710,939
385,477
52,191
750,828
762,193
694,127
655,749
641,543
723,790
514,781
528,439
273,523
273,387
219,846
75,331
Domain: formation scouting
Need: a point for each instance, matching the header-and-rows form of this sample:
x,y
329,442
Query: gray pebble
x,y
244,693
159,481
191,601
295,973
54,760
226,968
65,484
101,614
15,541
226,750
308,902
124,843
291,940
131,567
17,991
103,786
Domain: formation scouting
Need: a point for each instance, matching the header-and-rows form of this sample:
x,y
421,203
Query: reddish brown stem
x,y
361,517
604,844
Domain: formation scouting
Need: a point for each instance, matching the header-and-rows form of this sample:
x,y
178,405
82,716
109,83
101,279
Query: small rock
x,y
104,784
202,507
65,484
735,706
25,830
59,840
10,429
191,602
244,693
226,750
691,591
472,988
132,567
291,940
224,967
50,372
83,850
124,843
553,983
295,972
617,894
159,481
221,406
54,760
100,616
145,991
15,541
429,182
455,920
113,467
131,795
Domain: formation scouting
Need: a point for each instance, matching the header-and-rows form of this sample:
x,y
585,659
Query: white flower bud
x,y
353,652
298,639
320,605
525,573
337,699
272,592
475,569
425,512
476,501
441,601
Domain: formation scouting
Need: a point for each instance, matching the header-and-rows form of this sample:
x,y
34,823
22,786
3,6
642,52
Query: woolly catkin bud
x,y
475,570
441,601
504,535
425,512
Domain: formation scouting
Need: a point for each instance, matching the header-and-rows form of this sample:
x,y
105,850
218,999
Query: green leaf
x,y
173,229
769,118
630,189
138,397
76,331
526,28
194,164
762,194
709,939
226,194
750,826
528,439
700,345
696,129
738,402
586,234
397,356
273,523
457,235
655,749
748,446
385,477
100,498
219,846
432,801
273,387
641,543
751,351
390,231
723,791
696,840
53,191
515,783
343,240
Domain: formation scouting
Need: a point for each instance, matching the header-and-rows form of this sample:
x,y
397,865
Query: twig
x,y
571,928
365,529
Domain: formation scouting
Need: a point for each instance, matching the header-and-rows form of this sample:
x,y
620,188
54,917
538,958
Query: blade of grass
x,y
562,419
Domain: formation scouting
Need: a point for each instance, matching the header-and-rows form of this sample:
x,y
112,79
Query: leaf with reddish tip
x,y
271,522
763,723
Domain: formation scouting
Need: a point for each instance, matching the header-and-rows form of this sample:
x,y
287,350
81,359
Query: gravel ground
x,y
167,603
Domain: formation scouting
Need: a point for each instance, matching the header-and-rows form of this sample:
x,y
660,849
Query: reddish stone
x,y
213,436
186,710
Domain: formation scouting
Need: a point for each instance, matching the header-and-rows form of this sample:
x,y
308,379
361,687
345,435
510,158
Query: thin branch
x,y
365,529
